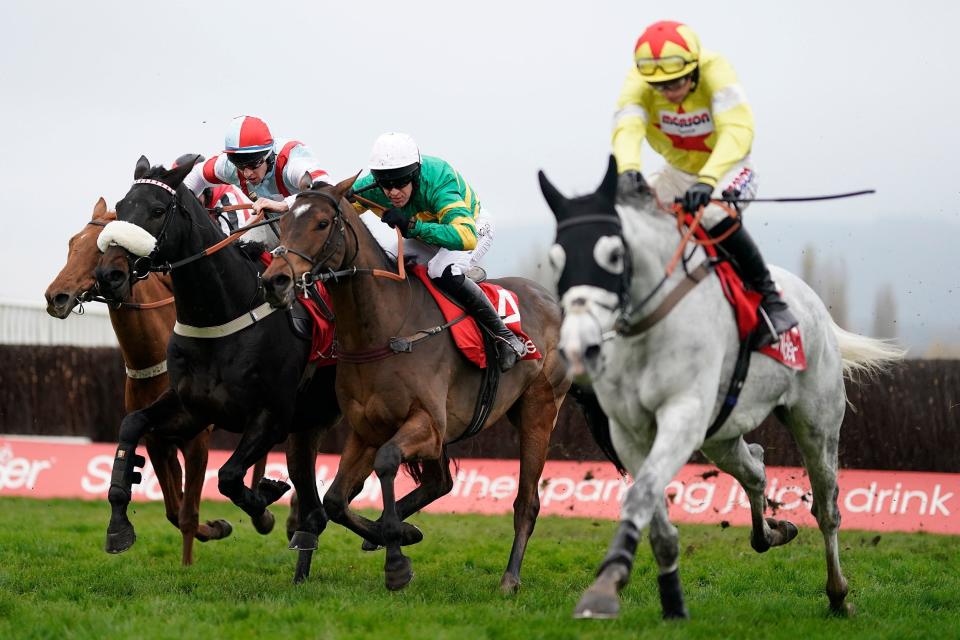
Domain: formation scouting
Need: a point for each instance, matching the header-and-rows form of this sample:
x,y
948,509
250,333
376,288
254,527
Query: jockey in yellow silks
x,y
687,103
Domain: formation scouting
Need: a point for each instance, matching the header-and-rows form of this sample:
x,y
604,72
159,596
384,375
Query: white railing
x,y
29,323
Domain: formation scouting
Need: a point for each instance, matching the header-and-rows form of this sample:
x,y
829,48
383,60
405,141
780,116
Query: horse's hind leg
x,y
163,457
745,463
819,449
534,415
311,518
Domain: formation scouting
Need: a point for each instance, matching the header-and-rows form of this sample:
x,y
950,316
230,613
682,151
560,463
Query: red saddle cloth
x,y
466,333
789,349
321,346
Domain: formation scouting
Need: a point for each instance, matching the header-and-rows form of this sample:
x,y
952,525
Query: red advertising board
x,y
871,500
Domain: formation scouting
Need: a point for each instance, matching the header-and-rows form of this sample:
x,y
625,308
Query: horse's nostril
x,y
592,352
116,277
60,300
281,281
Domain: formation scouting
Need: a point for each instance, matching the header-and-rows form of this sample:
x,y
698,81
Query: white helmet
x,y
394,159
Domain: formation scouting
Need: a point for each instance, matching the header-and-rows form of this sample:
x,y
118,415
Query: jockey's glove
x,y
395,218
697,196
630,183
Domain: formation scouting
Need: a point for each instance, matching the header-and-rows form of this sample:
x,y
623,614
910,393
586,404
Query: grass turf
x,y
56,581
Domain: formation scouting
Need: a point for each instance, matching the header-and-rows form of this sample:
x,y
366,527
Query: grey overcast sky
x,y
846,95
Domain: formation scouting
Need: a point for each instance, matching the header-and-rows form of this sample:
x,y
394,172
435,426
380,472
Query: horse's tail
x,y
863,355
598,423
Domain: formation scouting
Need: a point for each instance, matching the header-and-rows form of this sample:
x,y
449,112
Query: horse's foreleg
x,y
680,424
356,464
311,518
535,417
745,463
665,543
265,523
416,439
258,437
166,413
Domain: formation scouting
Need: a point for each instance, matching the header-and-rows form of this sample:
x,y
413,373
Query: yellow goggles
x,y
669,64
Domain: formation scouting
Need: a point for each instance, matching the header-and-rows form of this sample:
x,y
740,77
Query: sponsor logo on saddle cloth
x,y
466,333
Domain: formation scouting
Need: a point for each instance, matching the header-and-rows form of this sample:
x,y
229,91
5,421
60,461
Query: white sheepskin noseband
x,y
134,239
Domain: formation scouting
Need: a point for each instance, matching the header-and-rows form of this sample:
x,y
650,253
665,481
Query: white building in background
x,y
29,323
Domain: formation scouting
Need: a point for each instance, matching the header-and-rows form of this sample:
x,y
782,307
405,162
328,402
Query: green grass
x,y
56,581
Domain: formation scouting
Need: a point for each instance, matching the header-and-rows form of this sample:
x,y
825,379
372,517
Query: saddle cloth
x,y
745,304
466,333
321,344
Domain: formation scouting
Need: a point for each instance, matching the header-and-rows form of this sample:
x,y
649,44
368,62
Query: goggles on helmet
x,y
668,64
248,160
396,178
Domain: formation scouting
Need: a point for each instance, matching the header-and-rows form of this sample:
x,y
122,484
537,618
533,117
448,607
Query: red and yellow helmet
x,y
666,50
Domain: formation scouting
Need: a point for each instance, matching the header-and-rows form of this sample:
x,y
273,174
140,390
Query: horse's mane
x,y
386,260
251,250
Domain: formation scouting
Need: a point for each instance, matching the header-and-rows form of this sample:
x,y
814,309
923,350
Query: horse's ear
x,y
345,185
100,209
306,182
143,165
608,187
175,176
554,198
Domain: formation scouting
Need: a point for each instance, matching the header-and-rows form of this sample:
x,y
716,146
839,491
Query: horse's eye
x,y
158,211
323,224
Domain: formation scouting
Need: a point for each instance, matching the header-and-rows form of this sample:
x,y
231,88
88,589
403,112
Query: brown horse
x,y
143,326
405,409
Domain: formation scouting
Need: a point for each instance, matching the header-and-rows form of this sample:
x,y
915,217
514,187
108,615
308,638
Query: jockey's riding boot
x,y
469,295
775,317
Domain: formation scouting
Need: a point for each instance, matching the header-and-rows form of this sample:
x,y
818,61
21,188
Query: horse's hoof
x,y
264,522
222,527
784,531
509,584
409,534
370,546
303,541
271,490
120,540
398,573
597,604
843,609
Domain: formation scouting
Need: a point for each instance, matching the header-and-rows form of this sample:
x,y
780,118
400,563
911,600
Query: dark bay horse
x,y
406,408
231,361
143,325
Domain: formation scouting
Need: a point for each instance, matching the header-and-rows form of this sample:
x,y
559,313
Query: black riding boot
x,y
466,292
776,318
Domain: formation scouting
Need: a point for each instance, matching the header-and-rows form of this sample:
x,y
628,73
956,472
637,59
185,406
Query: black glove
x,y
697,196
395,218
631,183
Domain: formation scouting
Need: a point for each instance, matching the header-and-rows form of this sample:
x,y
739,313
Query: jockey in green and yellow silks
x,y
439,212
688,104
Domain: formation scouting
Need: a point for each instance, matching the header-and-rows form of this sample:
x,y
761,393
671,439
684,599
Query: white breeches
x,y
670,183
436,258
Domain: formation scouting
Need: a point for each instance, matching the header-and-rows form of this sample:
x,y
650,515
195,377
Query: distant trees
x,y
829,281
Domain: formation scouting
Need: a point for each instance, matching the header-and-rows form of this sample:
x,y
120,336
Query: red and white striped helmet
x,y
247,134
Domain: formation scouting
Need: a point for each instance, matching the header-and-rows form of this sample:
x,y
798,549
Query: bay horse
x,y
405,409
663,386
143,325
231,361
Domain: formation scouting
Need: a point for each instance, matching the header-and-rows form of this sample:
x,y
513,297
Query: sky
x,y
846,96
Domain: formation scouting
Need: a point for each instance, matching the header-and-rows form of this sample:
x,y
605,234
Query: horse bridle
x,y
316,272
